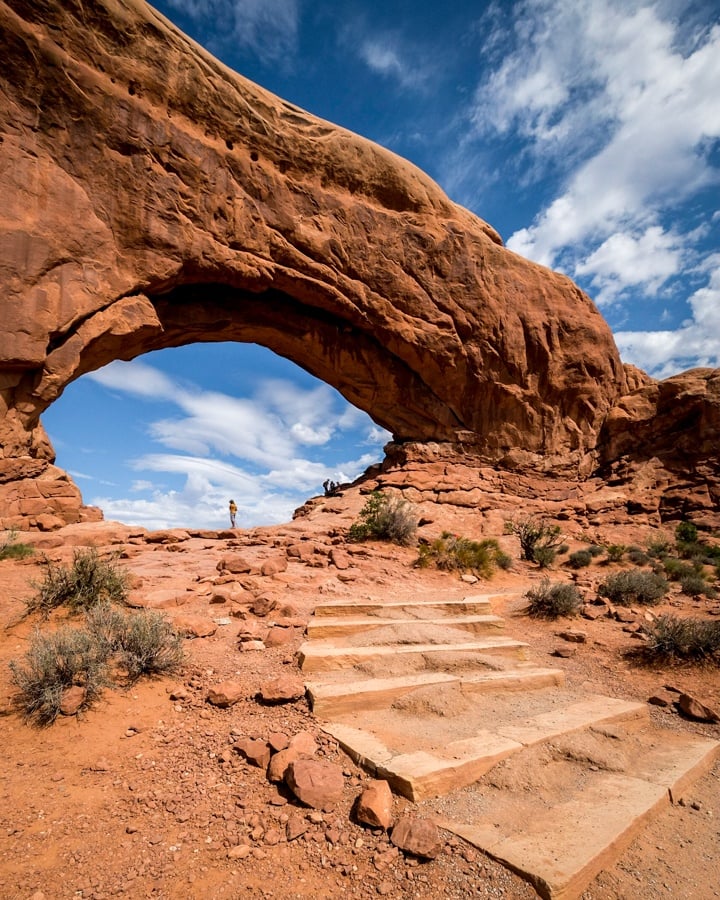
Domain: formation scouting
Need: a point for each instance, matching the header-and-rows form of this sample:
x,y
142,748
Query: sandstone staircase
x,y
433,697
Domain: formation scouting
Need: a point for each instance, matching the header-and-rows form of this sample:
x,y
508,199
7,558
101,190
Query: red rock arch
x,y
153,198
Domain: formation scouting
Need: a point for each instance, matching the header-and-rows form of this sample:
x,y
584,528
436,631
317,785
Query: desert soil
x,y
143,795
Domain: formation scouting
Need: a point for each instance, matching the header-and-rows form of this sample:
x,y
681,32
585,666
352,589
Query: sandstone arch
x,y
152,198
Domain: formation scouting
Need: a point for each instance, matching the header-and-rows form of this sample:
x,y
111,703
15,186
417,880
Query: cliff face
x,y
153,198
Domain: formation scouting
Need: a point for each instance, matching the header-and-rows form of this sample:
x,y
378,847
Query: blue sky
x,y
587,132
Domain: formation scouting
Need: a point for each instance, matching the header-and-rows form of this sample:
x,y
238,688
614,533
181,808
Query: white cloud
x,y
695,343
657,109
267,27
250,449
625,260
384,56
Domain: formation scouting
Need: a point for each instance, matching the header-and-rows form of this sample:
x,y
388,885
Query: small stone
x,y
317,783
374,805
694,709
246,646
225,694
263,606
564,652
295,827
278,741
256,752
241,851
573,636
418,836
283,689
72,700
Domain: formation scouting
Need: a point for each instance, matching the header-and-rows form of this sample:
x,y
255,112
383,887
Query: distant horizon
x,y
588,135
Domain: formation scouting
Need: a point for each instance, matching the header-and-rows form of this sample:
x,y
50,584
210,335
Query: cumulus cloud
x,y
614,108
695,343
624,260
253,449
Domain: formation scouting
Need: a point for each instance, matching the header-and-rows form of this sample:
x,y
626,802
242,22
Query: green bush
x,y
387,519
670,637
676,569
54,663
634,586
686,533
595,550
615,552
539,541
453,553
550,601
579,559
11,548
89,581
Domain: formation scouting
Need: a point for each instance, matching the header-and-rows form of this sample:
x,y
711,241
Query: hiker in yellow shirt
x,y
233,513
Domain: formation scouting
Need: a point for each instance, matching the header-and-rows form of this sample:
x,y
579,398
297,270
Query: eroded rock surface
x,y
152,198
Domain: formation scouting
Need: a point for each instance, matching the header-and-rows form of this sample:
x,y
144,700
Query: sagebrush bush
x,y
539,541
579,559
658,548
11,548
134,643
675,569
637,556
670,637
551,601
385,518
54,663
634,586
142,642
695,585
90,580
595,550
453,553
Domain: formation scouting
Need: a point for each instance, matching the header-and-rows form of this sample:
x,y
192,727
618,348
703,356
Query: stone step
x,y
477,605
420,774
328,699
561,847
315,656
336,626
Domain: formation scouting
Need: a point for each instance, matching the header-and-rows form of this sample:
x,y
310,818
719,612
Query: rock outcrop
x,y
153,198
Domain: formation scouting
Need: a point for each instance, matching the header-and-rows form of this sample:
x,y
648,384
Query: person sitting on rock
x,y
233,513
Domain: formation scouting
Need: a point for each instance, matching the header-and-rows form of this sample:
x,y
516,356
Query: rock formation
x,y
153,198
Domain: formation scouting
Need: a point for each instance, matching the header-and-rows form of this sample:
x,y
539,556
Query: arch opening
x,y
165,440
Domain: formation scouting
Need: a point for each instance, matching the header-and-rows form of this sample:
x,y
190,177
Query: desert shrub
x,y
11,548
676,569
385,518
634,586
615,552
637,556
595,550
142,643
54,663
88,581
686,533
453,553
539,541
657,549
670,637
550,601
695,585
579,559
